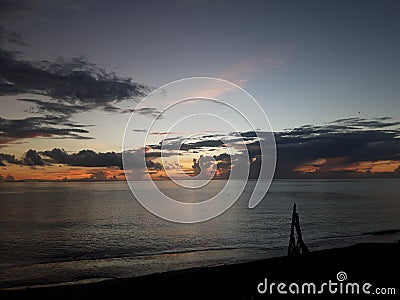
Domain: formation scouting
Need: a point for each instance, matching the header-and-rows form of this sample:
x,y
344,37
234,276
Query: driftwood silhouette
x,y
296,247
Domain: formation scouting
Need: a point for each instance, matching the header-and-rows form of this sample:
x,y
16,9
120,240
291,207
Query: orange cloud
x,y
61,172
339,164
379,166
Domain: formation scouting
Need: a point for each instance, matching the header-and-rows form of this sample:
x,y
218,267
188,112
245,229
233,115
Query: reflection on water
x,y
74,231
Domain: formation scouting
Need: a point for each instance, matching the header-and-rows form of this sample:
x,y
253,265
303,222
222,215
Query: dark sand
x,y
375,263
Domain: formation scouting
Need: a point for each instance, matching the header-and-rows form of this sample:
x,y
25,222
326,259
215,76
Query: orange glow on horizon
x,y
61,173
380,166
339,164
70,173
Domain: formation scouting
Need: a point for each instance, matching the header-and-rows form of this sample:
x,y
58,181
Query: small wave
x,y
382,232
374,233
127,255
75,282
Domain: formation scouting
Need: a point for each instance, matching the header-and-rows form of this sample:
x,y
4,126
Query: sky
x,y
326,74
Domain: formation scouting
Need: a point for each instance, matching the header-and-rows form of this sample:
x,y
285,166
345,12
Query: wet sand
x,y
374,263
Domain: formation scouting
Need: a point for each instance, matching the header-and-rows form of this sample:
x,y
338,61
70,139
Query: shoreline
x,y
364,262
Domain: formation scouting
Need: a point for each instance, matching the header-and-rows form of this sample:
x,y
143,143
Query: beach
x,y
199,149
74,239
376,264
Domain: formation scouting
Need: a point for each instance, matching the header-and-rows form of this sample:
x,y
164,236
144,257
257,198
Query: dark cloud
x,y
32,158
329,148
340,144
202,144
204,141
145,111
54,107
69,83
357,138
184,132
153,165
8,158
204,167
361,123
224,164
45,127
174,143
61,88
65,87
153,154
8,36
85,158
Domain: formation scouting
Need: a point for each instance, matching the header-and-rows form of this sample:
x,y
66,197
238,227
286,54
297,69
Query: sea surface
x,y
72,231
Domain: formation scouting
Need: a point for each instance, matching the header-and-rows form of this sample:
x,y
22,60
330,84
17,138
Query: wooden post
x,y
300,246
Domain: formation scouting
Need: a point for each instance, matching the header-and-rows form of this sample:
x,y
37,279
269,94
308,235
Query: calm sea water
x,y
59,232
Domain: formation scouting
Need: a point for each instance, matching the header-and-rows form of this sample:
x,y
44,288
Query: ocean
x,y
55,232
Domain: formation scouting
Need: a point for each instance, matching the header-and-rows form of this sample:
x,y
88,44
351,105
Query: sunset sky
x,y
326,74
